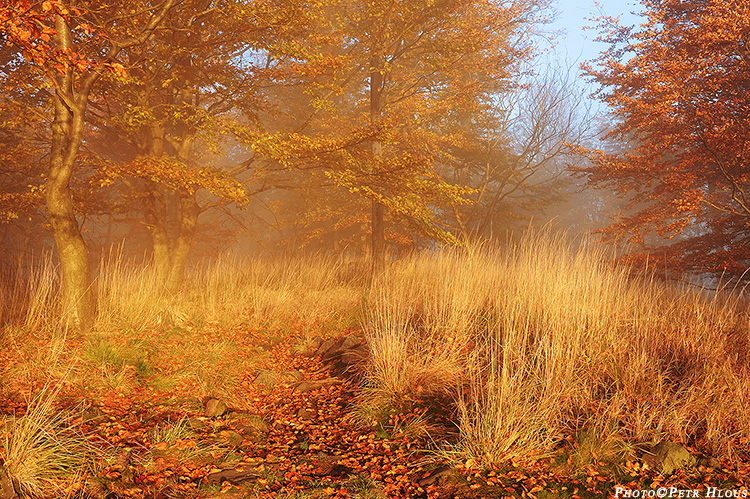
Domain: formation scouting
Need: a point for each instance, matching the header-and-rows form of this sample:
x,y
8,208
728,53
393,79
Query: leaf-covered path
x,y
256,413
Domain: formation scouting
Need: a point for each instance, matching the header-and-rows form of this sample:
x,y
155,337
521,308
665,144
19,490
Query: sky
x,y
577,45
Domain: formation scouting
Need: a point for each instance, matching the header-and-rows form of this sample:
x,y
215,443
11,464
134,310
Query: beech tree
x,y
71,47
514,153
395,70
153,111
180,95
678,89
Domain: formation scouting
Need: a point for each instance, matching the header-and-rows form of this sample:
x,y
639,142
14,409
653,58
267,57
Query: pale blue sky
x,y
577,44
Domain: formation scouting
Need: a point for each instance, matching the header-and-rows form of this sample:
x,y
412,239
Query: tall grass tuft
x,y
545,338
28,295
44,451
230,290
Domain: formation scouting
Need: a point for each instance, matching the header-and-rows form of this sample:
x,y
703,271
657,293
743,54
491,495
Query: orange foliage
x,y
678,86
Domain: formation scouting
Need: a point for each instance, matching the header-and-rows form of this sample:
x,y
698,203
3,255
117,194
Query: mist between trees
x,y
182,181
180,130
337,126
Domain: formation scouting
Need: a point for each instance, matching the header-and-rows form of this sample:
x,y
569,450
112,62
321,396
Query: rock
x,y
233,476
6,487
354,355
350,360
306,414
340,346
267,379
215,408
231,437
670,457
351,342
325,347
345,354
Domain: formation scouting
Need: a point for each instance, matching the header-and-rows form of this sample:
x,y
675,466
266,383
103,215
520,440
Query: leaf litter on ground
x,y
277,441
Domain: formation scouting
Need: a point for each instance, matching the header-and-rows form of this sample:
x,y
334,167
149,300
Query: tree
x,y
166,101
513,153
397,68
678,87
71,48
203,77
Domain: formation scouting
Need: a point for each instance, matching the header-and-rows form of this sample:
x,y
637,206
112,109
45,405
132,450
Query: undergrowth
x,y
545,340
535,344
45,454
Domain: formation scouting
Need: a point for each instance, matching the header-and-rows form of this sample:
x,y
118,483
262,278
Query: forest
x,y
372,249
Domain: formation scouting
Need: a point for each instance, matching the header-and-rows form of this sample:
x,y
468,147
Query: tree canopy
x,y
678,89
355,116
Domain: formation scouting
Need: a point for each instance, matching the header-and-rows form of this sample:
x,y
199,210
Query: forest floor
x,y
150,406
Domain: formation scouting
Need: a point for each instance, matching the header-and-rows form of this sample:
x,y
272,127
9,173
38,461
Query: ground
x,y
203,411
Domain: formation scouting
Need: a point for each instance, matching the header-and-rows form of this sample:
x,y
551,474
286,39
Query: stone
x,y
6,487
215,408
670,457
233,476
325,347
267,379
351,342
354,355
339,345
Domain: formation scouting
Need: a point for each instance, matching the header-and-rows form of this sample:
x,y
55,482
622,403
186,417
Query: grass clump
x,y
44,453
544,340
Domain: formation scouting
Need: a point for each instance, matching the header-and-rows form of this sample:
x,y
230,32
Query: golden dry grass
x,y
45,453
546,338
536,341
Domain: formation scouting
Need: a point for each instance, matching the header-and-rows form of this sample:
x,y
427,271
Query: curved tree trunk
x,y
79,299
71,99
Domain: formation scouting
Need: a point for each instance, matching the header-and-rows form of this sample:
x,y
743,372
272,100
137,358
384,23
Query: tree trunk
x,y
189,212
378,210
171,215
172,244
70,99
79,298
